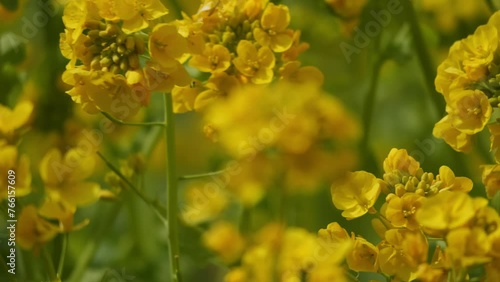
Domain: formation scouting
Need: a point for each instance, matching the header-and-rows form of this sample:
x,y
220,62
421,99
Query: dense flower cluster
x,y
468,81
423,214
240,43
113,63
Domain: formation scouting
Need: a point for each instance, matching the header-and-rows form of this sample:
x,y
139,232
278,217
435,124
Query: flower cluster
x,y
419,207
468,80
235,44
113,63
276,147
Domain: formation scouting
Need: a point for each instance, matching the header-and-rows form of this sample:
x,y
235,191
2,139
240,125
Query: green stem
x,y
50,265
64,247
491,5
171,175
93,242
429,70
121,122
200,175
369,105
160,210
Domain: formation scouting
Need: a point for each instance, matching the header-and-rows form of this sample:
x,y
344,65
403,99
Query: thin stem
x,y
121,122
93,242
370,103
200,175
171,175
424,57
160,210
64,247
50,265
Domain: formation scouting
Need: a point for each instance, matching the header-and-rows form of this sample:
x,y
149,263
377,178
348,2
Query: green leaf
x,y
495,202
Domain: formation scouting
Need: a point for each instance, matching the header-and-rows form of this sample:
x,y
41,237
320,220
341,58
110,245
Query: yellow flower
x,y
356,194
398,164
297,253
491,179
184,97
468,246
19,171
347,8
469,110
273,32
452,183
401,211
215,58
103,91
201,206
225,240
163,78
166,45
293,72
335,241
64,178
76,14
236,275
363,256
479,51
136,14
401,253
218,86
63,212
495,140
33,231
445,211
256,64
11,121
457,139
296,49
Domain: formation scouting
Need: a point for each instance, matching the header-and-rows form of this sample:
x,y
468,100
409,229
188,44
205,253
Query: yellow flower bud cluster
x,y
468,80
418,206
114,65
240,44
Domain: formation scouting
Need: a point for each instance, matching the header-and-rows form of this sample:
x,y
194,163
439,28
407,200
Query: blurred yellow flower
x,y
166,45
32,230
356,194
12,121
225,240
468,246
495,140
20,166
445,211
215,58
136,14
491,179
64,178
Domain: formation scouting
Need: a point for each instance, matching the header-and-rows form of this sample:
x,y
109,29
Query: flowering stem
x,y
50,265
424,56
64,247
200,175
121,122
370,101
160,210
171,174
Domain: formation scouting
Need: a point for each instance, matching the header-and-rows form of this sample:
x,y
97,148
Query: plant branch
x,y
121,122
200,175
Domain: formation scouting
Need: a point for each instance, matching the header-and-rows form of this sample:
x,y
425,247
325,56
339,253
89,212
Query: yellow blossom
x,y
356,194
468,246
452,183
163,78
401,253
18,169
457,139
33,231
166,45
202,206
445,211
469,110
12,121
398,164
273,31
335,241
136,14
256,64
225,240
479,51
215,58
363,256
495,140
401,211
64,178
491,179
